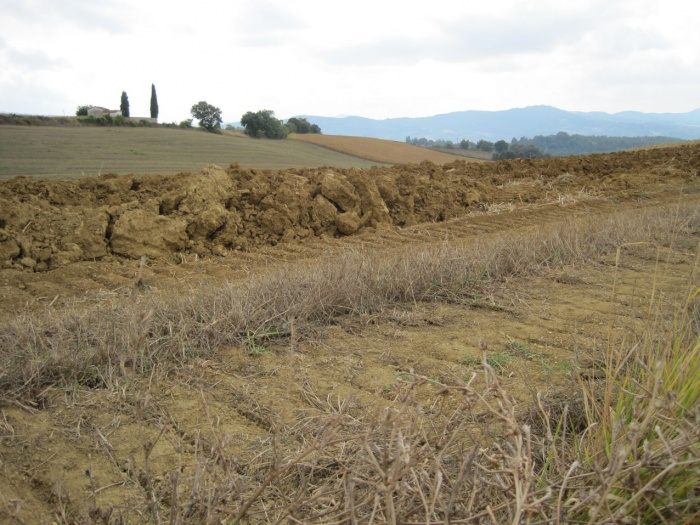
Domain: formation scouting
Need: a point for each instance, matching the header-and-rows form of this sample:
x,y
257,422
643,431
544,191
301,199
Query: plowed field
x,y
155,430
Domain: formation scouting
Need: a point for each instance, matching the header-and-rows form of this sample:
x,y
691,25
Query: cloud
x,y
28,98
472,39
370,57
466,40
643,74
394,52
508,34
263,24
105,15
615,43
32,59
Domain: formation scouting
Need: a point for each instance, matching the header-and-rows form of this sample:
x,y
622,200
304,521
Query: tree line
x,y
563,144
263,124
500,150
559,145
260,124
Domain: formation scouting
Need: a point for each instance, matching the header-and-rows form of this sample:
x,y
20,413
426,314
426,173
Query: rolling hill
x,y
72,152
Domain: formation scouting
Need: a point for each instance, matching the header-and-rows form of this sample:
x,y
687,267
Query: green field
x,y
70,152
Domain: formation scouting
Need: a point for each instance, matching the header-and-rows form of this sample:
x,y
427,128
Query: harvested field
x,y
351,346
378,150
73,152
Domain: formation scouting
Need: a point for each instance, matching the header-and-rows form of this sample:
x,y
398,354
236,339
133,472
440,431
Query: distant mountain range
x,y
516,123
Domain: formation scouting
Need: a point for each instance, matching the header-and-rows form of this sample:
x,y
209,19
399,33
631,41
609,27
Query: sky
x,y
371,58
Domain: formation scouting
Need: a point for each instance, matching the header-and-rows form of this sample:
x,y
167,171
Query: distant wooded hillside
x,y
559,145
563,144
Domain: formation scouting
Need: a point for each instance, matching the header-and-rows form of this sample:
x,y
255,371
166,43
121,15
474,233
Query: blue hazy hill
x,y
516,123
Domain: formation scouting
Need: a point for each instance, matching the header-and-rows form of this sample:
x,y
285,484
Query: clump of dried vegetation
x,y
622,449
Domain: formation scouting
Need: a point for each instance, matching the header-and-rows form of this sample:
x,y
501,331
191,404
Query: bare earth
x,y
78,454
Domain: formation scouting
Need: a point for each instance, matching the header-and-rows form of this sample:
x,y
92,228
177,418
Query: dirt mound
x,y
49,224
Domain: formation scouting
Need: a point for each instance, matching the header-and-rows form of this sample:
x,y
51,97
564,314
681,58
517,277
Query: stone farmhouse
x,y
99,111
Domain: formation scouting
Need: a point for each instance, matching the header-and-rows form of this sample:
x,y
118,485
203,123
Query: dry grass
x,y
379,150
621,450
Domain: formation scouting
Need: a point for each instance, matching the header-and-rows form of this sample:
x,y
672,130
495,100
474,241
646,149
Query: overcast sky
x,y
371,58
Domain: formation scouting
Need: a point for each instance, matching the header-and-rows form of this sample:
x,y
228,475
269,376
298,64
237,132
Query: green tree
x,y
517,151
263,124
500,146
154,102
301,125
484,145
209,116
124,106
81,111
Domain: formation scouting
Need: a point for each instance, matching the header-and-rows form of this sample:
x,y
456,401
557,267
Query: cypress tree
x,y
154,102
124,106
